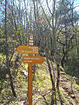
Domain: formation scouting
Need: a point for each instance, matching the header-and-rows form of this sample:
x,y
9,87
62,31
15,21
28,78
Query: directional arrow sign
x,y
27,49
33,59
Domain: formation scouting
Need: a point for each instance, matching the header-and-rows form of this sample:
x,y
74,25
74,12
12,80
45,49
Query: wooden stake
x,y
30,84
30,77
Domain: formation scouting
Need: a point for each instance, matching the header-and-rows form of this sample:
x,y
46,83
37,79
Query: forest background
x,y
55,27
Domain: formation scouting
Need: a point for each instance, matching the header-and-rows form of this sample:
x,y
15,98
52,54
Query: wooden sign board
x,y
27,49
31,44
30,41
33,59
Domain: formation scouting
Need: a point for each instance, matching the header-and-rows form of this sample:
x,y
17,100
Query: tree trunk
x,y
58,81
7,52
53,98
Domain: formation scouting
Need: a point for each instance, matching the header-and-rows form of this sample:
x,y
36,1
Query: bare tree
x,y
7,53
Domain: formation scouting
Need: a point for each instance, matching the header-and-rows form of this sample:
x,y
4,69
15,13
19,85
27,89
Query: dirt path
x,y
70,92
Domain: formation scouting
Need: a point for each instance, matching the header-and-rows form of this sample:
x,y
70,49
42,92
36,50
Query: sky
x,y
76,3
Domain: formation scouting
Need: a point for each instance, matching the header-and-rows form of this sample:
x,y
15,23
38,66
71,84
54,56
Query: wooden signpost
x,y
30,60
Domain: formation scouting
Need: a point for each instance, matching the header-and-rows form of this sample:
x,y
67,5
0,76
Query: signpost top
x,y
30,39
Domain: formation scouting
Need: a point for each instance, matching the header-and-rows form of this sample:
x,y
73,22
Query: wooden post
x,y
30,84
30,74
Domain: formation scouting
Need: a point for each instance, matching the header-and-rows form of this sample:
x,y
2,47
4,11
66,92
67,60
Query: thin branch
x,y
45,15
48,7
